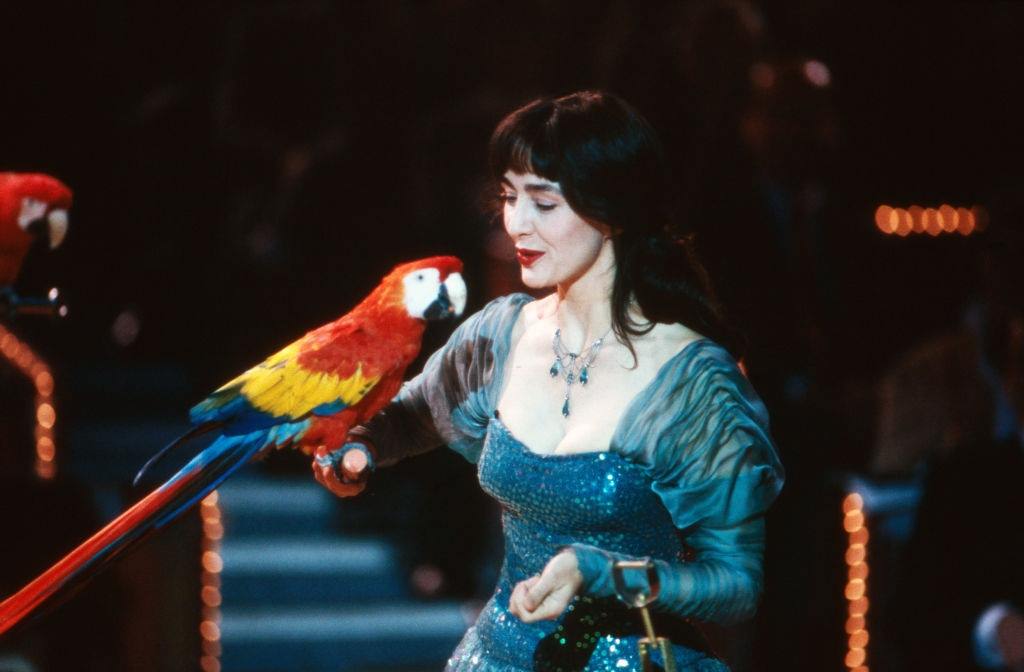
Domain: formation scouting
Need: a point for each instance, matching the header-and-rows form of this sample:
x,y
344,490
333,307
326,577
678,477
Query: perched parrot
x,y
30,204
306,396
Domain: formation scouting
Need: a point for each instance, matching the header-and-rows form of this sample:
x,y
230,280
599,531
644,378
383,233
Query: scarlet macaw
x,y
30,204
307,396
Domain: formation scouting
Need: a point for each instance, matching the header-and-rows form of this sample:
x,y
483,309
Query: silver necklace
x,y
573,366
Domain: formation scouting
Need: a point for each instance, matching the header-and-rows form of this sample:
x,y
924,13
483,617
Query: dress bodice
x,y
550,501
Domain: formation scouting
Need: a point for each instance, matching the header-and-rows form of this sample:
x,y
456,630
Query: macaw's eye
x,y
419,276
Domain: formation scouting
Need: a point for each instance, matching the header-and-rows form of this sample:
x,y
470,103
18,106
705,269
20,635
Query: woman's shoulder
x,y
699,360
497,315
702,379
709,359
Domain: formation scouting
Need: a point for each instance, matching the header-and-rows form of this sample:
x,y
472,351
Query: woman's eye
x,y
545,207
507,199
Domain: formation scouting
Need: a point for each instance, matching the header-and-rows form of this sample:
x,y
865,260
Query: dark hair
x,y
611,168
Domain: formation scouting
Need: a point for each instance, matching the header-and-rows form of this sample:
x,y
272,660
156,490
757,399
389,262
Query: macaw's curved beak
x,y
57,227
451,299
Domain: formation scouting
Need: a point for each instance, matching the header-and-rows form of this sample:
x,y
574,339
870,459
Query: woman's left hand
x,y
545,596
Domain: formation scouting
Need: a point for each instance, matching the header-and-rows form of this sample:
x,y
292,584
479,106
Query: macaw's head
x,y
428,289
33,204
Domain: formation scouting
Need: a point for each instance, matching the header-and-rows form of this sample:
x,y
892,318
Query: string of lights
x,y
932,221
856,585
22,358
209,580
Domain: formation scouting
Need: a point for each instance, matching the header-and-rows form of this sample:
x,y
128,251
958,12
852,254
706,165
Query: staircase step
x,y
286,571
341,639
277,506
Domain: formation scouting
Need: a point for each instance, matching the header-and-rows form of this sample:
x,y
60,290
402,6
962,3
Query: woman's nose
x,y
517,220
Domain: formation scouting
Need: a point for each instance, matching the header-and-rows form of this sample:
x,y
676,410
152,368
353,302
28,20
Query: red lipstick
x,y
527,257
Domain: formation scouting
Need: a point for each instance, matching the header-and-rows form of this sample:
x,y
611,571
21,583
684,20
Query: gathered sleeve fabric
x,y
452,399
701,434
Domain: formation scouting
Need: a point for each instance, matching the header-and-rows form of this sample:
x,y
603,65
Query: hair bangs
x,y
523,143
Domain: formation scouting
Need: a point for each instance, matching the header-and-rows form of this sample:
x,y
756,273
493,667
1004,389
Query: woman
x,y
607,419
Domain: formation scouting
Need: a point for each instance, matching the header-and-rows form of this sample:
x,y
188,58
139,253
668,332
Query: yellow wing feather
x,y
296,391
280,387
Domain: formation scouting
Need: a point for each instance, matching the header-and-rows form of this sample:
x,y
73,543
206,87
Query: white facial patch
x,y
421,290
31,211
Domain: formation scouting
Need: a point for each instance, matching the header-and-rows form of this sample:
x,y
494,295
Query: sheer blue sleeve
x,y
451,400
702,437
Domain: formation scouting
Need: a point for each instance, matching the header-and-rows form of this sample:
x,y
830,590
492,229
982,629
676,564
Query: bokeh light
x,y
817,73
966,226
883,219
855,658
933,221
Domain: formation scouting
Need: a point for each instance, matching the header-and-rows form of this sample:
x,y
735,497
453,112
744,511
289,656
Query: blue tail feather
x,y
210,468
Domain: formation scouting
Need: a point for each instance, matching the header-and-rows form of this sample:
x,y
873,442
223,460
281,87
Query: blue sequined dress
x,y
686,481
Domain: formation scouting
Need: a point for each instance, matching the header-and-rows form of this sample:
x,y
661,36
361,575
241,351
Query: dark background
x,y
244,171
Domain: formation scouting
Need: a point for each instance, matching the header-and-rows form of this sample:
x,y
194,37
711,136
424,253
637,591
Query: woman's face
x,y
554,245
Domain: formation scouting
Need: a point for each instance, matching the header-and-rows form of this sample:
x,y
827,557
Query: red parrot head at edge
x,y
31,204
34,203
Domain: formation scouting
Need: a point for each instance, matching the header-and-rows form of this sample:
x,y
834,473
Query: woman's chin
x,y
533,280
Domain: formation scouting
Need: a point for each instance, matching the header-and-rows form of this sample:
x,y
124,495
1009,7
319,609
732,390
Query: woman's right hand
x,y
343,471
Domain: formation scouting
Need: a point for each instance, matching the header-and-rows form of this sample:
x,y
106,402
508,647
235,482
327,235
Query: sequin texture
x,y
548,502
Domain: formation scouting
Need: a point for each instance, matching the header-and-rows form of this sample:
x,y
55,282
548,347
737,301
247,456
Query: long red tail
x,y
78,562
193,482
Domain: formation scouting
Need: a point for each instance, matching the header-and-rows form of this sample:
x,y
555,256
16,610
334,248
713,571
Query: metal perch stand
x,y
637,584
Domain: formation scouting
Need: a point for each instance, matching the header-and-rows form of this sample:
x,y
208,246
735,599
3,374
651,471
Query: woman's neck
x,y
584,308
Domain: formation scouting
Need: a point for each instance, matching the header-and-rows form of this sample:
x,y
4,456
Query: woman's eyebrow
x,y
543,187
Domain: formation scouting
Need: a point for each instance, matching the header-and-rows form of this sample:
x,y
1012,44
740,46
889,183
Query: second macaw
x,y
30,204
306,396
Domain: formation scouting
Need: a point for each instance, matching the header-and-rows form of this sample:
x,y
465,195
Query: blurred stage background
x,y
244,171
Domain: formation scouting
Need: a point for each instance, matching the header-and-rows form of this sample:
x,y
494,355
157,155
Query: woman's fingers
x,y
515,600
539,598
537,589
546,595
553,605
325,474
